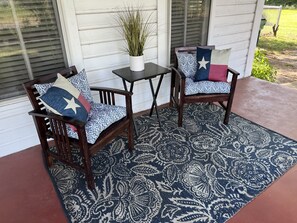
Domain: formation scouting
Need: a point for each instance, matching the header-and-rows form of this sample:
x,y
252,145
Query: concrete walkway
x,y
291,85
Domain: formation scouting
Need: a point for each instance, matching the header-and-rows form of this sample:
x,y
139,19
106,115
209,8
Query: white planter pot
x,y
136,63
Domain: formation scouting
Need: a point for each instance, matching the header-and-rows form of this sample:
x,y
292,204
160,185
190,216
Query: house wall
x,y
235,24
92,42
98,46
17,131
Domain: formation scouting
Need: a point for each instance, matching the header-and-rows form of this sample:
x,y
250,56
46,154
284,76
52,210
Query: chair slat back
x,y
188,49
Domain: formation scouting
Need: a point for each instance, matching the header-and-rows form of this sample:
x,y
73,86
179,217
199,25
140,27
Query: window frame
x,y
205,27
8,96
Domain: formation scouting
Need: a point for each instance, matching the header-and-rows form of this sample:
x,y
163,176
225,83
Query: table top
x,y
151,70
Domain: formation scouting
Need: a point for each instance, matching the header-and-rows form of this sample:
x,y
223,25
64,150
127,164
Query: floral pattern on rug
x,y
203,172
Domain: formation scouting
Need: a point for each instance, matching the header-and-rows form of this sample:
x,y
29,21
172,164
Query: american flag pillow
x,y
212,64
65,100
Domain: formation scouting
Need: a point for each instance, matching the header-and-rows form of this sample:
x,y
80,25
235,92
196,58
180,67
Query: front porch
x,y
27,194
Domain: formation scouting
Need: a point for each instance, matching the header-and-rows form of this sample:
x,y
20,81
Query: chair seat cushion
x,y
206,87
101,117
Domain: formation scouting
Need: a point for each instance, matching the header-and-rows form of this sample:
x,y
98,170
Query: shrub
x,y
262,68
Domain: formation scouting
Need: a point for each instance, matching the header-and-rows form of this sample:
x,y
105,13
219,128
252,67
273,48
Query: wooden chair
x,y
52,126
178,85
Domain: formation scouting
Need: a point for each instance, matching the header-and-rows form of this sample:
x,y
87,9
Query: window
x,y
189,23
30,43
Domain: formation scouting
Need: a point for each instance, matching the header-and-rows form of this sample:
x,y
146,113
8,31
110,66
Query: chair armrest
x,y
177,85
107,96
179,79
234,72
67,120
179,73
111,90
235,75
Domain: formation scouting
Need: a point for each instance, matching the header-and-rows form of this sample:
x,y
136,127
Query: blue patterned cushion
x,y
101,116
187,63
206,87
79,81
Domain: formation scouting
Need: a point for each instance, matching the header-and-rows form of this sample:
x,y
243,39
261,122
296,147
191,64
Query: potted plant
x,y
134,27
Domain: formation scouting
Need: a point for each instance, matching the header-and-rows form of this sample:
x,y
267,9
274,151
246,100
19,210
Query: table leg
x,y
131,90
125,85
155,94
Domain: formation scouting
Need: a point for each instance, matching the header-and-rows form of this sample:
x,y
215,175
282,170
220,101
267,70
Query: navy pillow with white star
x,y
65,100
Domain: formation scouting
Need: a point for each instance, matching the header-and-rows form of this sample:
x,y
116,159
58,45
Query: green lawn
x,y
268,44
286,36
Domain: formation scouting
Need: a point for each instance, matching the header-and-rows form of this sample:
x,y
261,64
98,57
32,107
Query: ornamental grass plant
x,y
134,27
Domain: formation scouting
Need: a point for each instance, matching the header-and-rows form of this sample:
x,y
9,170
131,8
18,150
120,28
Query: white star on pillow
x,y
203,63
71,104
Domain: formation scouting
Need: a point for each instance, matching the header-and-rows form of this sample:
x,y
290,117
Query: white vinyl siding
x,y
17,130
102,47
232,27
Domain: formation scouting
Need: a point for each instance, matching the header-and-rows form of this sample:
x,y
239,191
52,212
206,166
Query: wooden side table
x,y
151,70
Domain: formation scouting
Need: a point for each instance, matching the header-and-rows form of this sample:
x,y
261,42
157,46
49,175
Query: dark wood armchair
x,y
178,85
52,126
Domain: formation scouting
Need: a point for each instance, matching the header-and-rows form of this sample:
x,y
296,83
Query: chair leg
x,y
226,119
170,102
89,175
180,110
228,111
171,89
39,123
130,136
88,169
48,159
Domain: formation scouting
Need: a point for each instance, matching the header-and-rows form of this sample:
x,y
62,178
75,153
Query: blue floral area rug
x,y
203,172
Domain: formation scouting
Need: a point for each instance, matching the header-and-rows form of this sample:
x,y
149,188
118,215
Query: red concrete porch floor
x,y
27,194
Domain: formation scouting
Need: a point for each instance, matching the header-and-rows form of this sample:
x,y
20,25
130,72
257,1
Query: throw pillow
x,y
79,81
212,64
65,100
187,63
